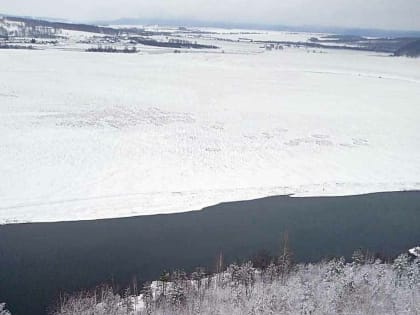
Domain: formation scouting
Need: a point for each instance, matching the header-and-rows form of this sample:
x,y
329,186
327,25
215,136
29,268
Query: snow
x,y
10,26
91,135
260,35
415,251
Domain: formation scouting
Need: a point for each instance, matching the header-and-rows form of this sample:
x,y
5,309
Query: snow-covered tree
x,y
3,310
327,287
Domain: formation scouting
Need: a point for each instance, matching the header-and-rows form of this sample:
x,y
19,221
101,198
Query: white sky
x,y
385,14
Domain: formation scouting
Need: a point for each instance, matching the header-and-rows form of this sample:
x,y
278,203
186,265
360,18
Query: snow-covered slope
x,y
10,27
333,287
87,136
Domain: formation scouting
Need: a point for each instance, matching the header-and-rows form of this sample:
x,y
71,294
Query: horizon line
x,y
192,22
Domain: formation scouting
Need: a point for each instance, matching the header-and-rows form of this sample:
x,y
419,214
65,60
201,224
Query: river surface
x,y
38,262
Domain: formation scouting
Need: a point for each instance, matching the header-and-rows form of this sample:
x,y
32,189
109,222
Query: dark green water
x,y
39,261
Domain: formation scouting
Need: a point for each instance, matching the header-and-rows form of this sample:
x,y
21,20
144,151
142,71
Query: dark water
x,y
39,261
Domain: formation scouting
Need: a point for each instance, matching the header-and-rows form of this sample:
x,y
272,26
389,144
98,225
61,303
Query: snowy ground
x,y
92,135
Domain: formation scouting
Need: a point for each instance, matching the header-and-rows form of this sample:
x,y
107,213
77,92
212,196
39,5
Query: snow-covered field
x,y
92,135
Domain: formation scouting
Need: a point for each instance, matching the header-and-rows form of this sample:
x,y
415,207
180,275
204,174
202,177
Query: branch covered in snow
x,y
415,251
3,310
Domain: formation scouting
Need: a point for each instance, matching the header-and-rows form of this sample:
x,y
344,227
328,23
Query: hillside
x,y
15,26
411,49
20,26
363,286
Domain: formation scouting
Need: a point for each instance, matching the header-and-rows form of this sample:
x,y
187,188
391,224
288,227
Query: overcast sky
x,y
385,14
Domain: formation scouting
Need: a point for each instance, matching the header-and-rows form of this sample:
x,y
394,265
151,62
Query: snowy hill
x,y
20,26
412,49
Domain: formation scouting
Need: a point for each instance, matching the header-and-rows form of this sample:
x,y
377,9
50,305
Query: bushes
x,y
99,302
364,286
110,49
